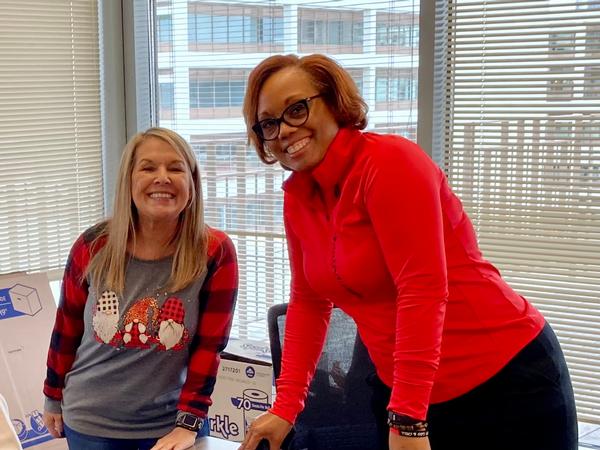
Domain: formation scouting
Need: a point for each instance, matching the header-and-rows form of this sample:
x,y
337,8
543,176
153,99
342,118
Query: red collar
x,y
330,173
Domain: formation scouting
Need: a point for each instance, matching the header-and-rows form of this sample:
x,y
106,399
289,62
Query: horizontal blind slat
x,y
522,152
50,154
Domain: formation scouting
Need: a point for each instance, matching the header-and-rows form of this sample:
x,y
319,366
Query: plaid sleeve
x,y
217,302
68,326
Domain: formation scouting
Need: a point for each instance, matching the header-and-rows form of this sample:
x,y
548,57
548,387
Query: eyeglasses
x,y
294,115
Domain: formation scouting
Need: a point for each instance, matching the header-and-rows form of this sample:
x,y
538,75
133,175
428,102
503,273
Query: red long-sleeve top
x,y
376,230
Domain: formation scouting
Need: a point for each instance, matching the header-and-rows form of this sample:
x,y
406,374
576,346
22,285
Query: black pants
x,y
528,405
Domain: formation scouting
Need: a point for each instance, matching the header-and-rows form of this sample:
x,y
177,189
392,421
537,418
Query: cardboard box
x,y
243,390
27,312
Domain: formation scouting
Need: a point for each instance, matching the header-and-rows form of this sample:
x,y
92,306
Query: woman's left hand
x,y
398,442
178,439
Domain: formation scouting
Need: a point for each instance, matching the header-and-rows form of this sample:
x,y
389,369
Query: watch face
x,y
189,420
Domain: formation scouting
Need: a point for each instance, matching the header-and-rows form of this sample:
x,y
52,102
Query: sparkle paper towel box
x,y
27,311
243,390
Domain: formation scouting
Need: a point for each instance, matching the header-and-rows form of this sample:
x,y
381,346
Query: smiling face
x,y
160,183
303,147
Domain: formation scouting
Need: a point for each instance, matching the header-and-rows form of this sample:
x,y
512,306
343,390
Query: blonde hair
x,y
331,80
189,261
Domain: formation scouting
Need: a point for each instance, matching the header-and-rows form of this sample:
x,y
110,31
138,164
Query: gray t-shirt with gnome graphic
x,y
131,365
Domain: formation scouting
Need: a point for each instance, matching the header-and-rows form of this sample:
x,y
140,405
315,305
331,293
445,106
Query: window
x,y
233,27
358,77
592,84
592,40
395,34
165,32
394,86
561,84
213,90
166,100
521,149
339,31
393,29
50,151
222,43
561,43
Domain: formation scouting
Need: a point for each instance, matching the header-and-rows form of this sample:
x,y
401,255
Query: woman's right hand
x,y
54,423
266,426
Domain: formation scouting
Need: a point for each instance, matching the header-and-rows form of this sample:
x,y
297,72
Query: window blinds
x,y
205,52
50,150
522,149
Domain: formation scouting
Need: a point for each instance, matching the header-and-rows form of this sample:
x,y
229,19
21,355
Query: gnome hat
x,y
108,303
172,309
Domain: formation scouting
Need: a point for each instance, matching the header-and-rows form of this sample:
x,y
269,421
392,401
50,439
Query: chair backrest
x,y
338,413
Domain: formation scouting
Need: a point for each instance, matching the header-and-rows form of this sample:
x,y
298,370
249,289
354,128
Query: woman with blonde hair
x,y
462,360
146,306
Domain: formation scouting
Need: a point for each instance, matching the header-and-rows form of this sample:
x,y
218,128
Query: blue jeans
x,y
80,441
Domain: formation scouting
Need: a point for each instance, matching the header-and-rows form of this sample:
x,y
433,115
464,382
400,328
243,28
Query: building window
x,y
215,45
216,93
271,29
592,85
166,100
322,30
357,75
592,40
233,27
409,131
165,33
561,84
395,86
561,43
397,30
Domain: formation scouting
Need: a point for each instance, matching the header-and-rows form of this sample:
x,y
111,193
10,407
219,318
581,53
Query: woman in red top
x,y
373,228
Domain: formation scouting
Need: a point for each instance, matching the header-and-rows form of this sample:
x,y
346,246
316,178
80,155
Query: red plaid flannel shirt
x,y
216,299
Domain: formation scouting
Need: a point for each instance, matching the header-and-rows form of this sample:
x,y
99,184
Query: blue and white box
x,y
27,311
243,390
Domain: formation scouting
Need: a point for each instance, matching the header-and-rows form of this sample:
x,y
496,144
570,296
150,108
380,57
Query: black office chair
x,y
337,414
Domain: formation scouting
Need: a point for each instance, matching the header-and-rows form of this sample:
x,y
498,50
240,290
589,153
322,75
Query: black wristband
x,y
401,419
407,426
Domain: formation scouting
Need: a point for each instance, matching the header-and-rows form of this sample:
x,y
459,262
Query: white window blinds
x,y
50,148
205,51
522,150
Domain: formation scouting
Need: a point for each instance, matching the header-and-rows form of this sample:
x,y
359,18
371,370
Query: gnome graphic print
x,y
139,322
171,331
143,326
106,317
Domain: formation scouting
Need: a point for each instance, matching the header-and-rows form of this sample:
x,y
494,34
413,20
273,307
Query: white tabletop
x,y
212,443
205,443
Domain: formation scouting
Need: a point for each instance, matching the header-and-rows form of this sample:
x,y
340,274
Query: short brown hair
x,y
332,81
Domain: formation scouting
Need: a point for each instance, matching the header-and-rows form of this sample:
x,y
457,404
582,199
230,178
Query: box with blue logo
x,y
243,390
27,311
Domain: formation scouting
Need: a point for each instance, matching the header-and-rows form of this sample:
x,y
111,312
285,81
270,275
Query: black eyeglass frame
x,y
305,101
